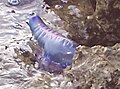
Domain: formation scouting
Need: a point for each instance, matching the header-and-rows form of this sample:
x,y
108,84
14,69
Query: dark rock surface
x,y
90,22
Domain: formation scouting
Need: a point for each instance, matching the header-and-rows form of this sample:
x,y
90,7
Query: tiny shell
x,y
14,2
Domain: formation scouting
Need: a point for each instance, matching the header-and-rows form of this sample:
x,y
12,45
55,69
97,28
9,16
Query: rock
x,y
96,68
91,22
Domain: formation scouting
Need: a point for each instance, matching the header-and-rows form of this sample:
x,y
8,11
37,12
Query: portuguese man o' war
x,y
58,51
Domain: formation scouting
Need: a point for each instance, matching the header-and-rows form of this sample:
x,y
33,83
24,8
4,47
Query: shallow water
x,y
13,19
14,32
13,25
